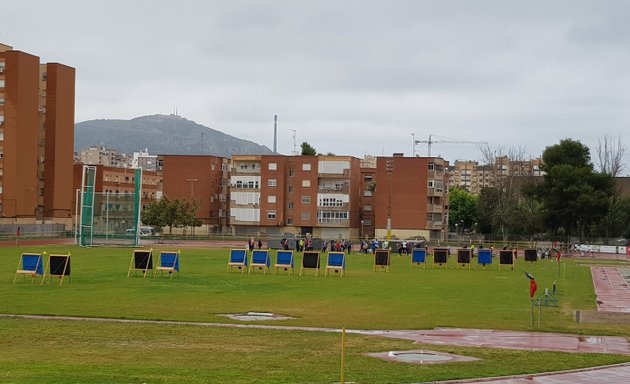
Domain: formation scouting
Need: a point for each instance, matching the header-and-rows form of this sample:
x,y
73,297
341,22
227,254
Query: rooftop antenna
x,y
294,143
275,133
413,144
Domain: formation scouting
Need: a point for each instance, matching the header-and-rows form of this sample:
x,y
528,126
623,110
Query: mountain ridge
x,y
163,135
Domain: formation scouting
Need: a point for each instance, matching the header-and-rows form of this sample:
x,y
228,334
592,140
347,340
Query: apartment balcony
x,y
435,208
233,221
434,225
436,192
345,188
344,175
342,207
334,223
244,172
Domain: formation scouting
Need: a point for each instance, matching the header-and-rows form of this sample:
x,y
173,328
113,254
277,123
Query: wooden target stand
x,y
310,260
57,266
506,257
382,259
336,262
440,257
237,259
530,255
260,261
141,260
30,264
419,257
284,260
484,257
464,256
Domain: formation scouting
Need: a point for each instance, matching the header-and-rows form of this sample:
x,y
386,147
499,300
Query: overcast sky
x,y
350,77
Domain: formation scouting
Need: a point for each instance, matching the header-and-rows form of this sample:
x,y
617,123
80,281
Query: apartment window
x,y
431,166
305,216
289,221
1,136
273,166
290,188
306,199
1,83
306,167
272,182
306,183
290,205
368,177
271,214
367,207
271,199
367,222
291,172
1,101
330,202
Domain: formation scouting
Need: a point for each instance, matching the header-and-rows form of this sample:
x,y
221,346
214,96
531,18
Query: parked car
x,y
144,231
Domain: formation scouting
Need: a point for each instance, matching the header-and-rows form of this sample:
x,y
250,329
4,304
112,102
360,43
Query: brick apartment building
x,y
410,197
202,178
274,194
36,139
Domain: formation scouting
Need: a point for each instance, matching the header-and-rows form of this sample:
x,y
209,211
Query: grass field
x,y
405,298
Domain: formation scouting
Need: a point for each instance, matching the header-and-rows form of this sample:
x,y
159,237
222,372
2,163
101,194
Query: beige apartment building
x,y
473,177
36,139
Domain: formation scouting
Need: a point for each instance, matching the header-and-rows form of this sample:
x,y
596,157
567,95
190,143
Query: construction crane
x,y
440,139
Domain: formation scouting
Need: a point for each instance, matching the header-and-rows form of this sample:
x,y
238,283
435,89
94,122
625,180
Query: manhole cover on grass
x,y
256,316
421,357
418,357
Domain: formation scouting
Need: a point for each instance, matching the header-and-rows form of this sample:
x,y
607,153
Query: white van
x,y
144,231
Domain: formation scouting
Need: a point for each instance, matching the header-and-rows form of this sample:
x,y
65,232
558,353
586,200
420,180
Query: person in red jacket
x,y
532,287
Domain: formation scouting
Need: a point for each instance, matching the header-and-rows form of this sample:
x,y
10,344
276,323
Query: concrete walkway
x,y
530,341
615,374
612,289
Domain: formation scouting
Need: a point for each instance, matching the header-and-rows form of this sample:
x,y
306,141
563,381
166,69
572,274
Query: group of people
x,y
339,245
251,244
301,244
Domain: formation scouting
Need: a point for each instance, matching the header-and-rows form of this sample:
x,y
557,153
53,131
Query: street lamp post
x,y
362,232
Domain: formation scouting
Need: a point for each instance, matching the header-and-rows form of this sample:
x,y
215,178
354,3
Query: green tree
x,y
170,213
575,197
531,211
307,150
462,208
497,212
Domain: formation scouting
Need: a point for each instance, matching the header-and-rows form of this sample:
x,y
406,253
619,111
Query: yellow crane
x,y
440,139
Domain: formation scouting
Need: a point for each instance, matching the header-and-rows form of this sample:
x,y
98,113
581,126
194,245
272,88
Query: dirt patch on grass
x,y
621,318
